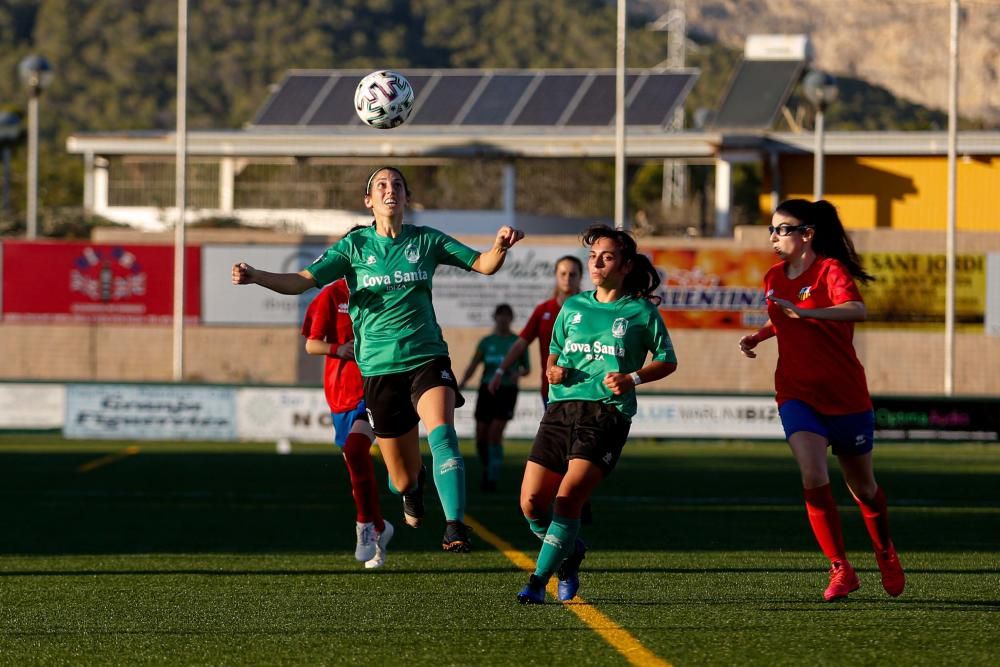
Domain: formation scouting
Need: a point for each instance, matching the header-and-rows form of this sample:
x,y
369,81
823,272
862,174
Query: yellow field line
x,y
105,460
620,639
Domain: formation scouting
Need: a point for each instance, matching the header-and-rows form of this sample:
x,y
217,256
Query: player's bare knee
x,y
569,506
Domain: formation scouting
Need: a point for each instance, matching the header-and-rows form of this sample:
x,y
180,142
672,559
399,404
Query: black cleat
x,y
456,538
413,503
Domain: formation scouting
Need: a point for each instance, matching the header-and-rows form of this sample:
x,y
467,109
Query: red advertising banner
x,y
710,288
82,282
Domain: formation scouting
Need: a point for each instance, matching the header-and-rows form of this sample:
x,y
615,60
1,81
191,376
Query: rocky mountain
x,y
901,45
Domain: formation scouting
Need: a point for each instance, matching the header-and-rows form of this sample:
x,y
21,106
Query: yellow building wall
x,y
897,192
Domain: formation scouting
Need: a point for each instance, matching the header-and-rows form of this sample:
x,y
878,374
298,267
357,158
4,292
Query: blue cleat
x,y
569,572
533,593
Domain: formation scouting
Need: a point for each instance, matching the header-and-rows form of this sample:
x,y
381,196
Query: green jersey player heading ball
x,y
600,342
389,267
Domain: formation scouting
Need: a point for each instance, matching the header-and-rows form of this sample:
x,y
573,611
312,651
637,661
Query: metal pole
x,y
180,188
32,208
949,294
620,120
818,156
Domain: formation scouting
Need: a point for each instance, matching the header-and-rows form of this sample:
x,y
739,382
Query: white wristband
x,y
636,380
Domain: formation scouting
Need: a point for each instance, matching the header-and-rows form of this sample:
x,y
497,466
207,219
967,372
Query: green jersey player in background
x,y
495,407
596,358
389,267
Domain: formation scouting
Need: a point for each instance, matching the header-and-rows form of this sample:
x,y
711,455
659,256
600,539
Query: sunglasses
x,y
786,230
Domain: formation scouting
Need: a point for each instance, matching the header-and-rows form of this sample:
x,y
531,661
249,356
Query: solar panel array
x,y
757,92
471,98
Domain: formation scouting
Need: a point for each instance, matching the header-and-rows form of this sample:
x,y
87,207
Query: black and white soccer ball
x,y
384,99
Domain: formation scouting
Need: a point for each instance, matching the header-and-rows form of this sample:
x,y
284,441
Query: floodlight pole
x,y
949,292
620,119
36,74
180,188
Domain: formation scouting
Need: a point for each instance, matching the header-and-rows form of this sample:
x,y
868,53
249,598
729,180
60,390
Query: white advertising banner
x,y
225,303
752,417
467,299
461,298
150,412
993,294
301,415
32,406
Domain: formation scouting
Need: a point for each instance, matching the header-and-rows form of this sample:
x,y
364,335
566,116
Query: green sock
x,y
449,471
495,462
558,543
539,526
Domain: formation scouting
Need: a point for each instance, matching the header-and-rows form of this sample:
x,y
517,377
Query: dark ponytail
x,y
643,280
830,239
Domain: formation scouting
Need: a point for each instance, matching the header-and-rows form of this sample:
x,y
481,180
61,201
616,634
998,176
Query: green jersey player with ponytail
x,y
389,267
597,356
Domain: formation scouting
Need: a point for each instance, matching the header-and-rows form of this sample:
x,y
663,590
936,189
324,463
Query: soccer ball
x,y
384,99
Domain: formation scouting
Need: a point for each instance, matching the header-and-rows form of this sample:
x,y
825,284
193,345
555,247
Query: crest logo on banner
x,y
107,275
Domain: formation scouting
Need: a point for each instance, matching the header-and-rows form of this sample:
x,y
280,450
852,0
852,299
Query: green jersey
x,y
593,339
395,329
492,349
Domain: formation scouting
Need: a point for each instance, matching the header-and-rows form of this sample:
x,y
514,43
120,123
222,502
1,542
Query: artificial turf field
x,y
200,553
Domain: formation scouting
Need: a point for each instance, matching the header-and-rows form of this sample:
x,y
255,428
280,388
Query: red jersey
x,y
817,363
539,326
327,320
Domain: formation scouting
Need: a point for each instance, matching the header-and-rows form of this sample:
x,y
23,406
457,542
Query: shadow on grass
x,y
256,503
360,571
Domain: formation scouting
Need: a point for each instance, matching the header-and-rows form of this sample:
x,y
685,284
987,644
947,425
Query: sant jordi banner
x,y
721,289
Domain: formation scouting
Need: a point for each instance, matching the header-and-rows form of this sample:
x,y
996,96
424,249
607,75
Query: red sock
x,y
357,454
876,515
825,521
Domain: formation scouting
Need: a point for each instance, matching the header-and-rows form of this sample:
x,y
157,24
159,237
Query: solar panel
x,y
571,98
654,102
337,106
498,99
547,104
286,106
757,92
441,107
597,106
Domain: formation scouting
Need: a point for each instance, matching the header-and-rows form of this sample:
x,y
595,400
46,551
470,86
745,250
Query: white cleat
x,y
381,542
365,549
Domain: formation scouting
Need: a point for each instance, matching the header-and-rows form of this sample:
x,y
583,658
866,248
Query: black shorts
x,y
588,430
392,399
495,406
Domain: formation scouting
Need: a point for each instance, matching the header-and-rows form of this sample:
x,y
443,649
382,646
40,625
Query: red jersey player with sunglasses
x,y
821,390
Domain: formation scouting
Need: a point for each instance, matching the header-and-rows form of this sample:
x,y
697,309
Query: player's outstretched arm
x,y
283,283
490,261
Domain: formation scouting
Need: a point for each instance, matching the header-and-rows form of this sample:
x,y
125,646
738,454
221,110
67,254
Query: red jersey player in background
x,y
821,390
569,271
328,332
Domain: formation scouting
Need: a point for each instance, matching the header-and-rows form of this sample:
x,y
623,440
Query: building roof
x,y
642,143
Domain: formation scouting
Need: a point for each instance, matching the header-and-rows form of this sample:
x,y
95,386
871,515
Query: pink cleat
x,y
893,579
843,580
